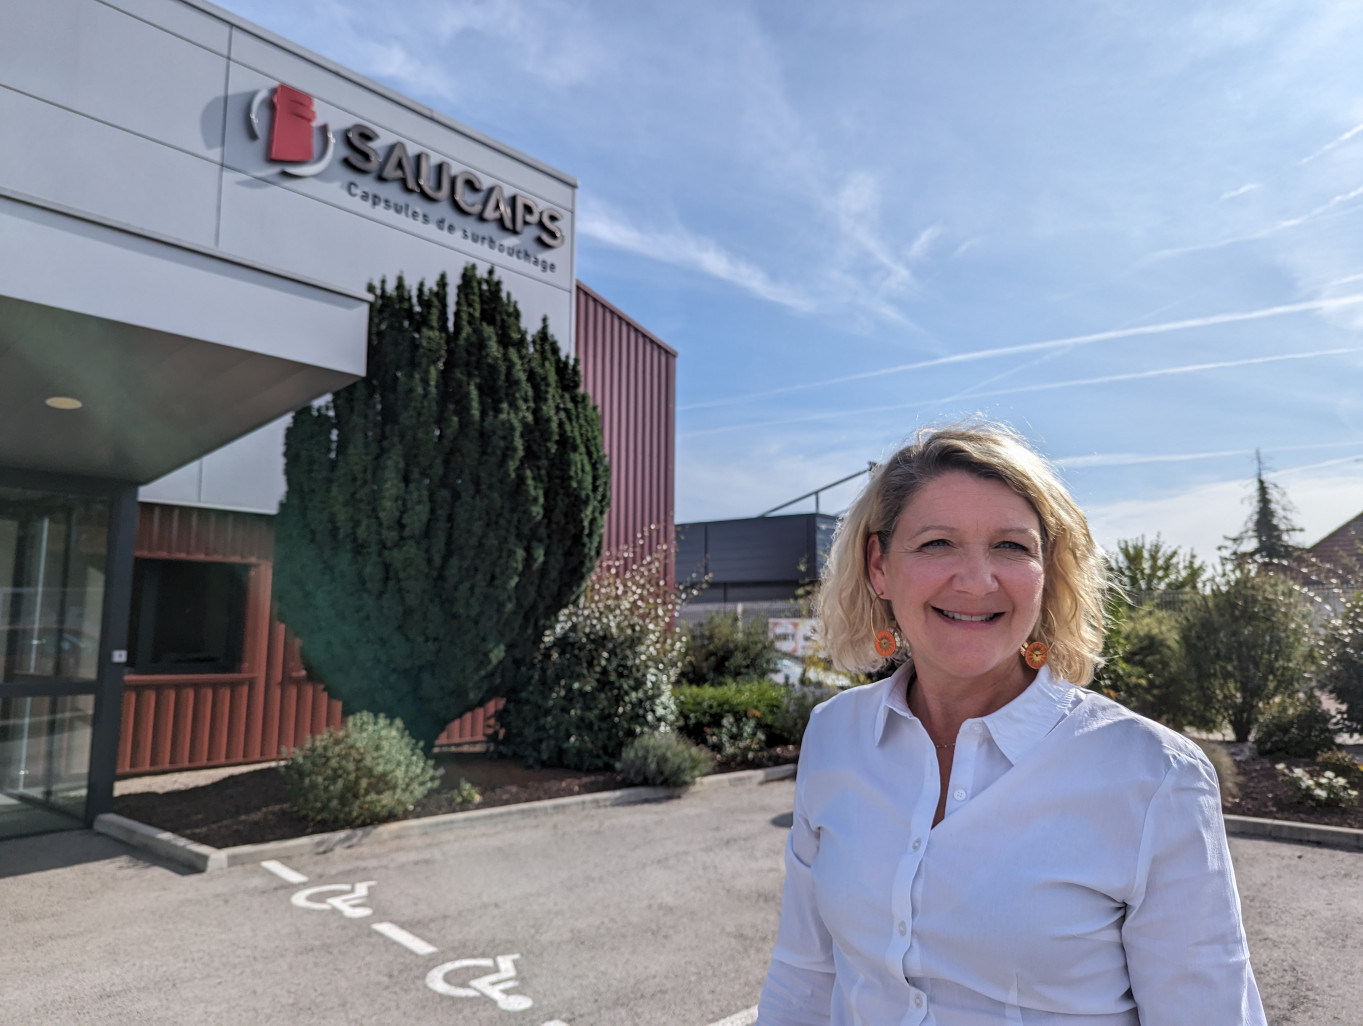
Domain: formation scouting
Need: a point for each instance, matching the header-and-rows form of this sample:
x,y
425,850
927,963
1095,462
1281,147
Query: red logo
x,y
291,134
291,137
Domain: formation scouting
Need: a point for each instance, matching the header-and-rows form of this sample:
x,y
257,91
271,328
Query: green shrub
x,y
368,771
466,793
1144,667
604,673
1342,664
664,760
721,647
1248,640
1344,764
700,710
1294,726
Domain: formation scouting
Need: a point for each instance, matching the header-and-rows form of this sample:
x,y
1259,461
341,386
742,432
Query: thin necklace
x,y
936,745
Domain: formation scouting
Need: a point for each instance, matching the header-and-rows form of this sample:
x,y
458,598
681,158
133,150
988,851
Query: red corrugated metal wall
x,y
632,375
196,721
192,721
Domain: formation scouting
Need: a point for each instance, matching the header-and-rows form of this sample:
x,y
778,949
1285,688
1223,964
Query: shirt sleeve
x,y
799,985
1185,945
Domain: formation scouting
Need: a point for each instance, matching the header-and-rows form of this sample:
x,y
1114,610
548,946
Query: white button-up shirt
x,y
1079,877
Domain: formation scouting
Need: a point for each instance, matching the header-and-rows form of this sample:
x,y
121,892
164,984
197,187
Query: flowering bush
x,y
604,672
738,739
1327,788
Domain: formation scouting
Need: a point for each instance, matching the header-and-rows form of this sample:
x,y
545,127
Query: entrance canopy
x,y
171,350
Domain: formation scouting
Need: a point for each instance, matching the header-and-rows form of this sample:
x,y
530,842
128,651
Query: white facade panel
x,y
144,122
178,488
131,179
294,231
247,475
102,272
106,65
189,23
143,195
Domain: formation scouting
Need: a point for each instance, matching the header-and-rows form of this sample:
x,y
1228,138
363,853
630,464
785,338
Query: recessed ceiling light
x,y
63,402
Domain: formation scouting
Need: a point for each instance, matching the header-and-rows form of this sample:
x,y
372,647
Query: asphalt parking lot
x,y
653,914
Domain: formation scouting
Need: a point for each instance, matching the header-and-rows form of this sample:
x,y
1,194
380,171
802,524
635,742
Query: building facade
x,y
191,211
755,566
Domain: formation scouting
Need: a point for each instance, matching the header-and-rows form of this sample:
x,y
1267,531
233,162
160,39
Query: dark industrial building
x,y
757,563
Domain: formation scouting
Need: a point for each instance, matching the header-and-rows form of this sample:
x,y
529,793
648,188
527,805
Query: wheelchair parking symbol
x,y
348,903
492,985
461,978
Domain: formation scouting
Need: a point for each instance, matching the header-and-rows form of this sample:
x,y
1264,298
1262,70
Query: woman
x,y
977,839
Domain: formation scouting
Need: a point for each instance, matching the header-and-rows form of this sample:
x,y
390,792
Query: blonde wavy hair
x,y
1071,619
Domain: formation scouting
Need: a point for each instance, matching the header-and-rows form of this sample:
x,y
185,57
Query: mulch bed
x,y
251,807
1265,795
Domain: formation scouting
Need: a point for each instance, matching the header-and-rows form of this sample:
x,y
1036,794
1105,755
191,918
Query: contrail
x,y
1314,466
1126,459
1044,386
1036,347
1331,145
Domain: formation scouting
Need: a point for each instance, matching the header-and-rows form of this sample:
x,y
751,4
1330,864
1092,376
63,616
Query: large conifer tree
x,y
1267,533
441,511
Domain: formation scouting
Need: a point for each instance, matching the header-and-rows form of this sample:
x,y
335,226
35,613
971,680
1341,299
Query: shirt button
x,y
917,843
903,928
959,795
918,1001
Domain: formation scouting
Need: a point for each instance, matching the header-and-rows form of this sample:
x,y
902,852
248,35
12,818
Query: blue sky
x,y
1132,230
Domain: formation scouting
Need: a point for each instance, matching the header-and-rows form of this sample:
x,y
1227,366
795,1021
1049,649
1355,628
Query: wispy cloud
x,y
1235,317
694,253
1263,233
1128,459
1314,466
1045,386
922,245
1242,190
1332,144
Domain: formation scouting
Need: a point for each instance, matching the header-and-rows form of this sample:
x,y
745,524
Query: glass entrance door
x,y
53,559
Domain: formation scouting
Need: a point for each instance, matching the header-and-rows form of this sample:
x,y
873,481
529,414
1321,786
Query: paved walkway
x,y
659,914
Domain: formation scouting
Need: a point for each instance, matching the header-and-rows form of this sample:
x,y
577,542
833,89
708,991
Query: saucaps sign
x,y
292,143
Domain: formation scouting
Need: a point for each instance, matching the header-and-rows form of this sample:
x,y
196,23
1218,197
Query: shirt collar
x,y
1015,728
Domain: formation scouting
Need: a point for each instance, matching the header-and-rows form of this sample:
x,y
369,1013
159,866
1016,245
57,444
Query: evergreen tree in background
x,y
441,511
1143,567
1265,536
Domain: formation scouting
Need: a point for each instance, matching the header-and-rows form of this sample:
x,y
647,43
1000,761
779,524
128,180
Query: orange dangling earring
x,y
1034,654
886,644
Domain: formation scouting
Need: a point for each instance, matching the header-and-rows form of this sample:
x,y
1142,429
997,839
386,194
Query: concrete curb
x,y
1286,830
202,857
171,847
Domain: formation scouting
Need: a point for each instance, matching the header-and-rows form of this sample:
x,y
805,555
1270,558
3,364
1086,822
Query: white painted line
x,y
284,872
744,1018
554,1022
409,941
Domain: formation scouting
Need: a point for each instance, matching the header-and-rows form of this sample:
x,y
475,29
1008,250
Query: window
x,y
187,616
52,554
